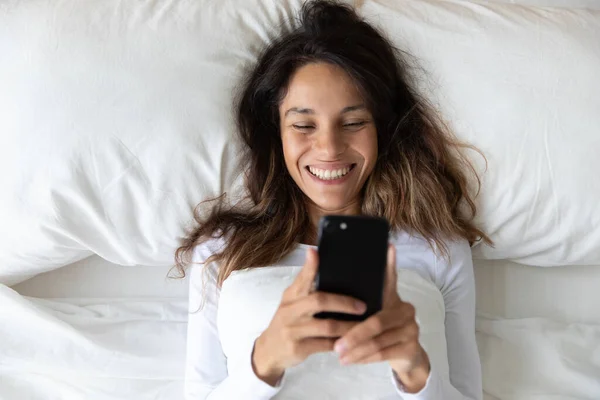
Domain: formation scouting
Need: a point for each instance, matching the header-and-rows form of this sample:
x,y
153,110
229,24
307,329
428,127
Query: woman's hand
x,y
390,335
293,333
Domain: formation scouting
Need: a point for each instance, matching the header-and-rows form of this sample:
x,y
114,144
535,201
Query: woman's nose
x,y
330,143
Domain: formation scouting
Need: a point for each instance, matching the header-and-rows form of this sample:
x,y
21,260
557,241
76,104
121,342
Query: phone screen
x,y
352,261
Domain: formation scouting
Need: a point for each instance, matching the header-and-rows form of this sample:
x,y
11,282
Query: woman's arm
x,y
456,279
206,374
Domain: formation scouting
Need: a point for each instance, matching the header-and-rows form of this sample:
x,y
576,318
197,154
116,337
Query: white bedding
x,y
103,332
116,100
115,119
538,331
112,332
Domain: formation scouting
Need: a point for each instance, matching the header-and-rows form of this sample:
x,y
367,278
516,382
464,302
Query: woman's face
x,y
329,137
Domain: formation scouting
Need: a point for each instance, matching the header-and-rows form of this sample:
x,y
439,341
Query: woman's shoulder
x,y
204,250
413,251
404,239
200,269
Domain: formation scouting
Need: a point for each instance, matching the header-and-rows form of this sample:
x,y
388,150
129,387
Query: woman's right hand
x,y
294,334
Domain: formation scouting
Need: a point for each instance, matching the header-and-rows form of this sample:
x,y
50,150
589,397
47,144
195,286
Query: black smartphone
x,y
352,261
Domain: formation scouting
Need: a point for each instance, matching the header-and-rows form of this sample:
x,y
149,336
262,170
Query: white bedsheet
x,y
111,332
102,332
91,349
538,331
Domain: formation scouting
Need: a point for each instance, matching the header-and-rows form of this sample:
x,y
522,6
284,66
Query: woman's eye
x,y
357,124
302,127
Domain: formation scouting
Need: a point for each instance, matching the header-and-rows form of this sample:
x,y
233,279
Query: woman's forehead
x,y
321,87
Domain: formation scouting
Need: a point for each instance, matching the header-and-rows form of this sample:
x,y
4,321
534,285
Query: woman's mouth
x,y
330,174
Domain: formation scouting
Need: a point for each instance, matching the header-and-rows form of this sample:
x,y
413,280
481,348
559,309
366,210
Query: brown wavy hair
x,y
420,180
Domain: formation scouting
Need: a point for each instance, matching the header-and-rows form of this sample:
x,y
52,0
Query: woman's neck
x,y
315,214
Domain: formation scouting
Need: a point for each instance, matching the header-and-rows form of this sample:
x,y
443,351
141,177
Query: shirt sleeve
x,y
456,280
206,373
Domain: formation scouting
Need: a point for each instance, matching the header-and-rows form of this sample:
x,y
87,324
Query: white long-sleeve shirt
x,y
224,322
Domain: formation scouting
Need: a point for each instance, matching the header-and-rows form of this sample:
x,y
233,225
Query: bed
x,y
537,329
99,121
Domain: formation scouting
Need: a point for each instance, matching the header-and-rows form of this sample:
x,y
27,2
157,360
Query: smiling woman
x,y
331,125
338,86
329,139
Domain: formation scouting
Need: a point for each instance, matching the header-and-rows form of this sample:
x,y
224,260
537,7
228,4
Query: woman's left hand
x,y
390,335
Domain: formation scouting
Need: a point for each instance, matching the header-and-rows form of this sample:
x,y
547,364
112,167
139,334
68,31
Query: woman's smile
x,y
331,175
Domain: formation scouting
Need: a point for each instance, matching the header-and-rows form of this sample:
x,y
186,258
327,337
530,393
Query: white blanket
x,y
119,347
249,298
540,359
103,349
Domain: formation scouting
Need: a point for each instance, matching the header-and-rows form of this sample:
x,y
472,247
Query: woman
x,y
331,126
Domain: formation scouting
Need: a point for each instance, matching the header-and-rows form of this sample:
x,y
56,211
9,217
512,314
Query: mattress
x,y
95,330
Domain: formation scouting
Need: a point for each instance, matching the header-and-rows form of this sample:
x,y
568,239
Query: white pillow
x,y
116,120
520,83
590,4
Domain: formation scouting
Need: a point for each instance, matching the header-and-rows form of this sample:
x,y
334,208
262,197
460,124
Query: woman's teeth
x,y
327,174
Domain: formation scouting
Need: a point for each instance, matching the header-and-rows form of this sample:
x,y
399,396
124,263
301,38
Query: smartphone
x,y
352,261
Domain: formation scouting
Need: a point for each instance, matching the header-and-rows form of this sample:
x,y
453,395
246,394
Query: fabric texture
x,y
108,334
224,324
115,120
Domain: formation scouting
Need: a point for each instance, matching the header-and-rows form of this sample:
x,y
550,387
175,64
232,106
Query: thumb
x,y
303,283
391,275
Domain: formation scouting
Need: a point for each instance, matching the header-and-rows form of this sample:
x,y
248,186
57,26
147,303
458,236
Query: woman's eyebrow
x,y
301,110
353,108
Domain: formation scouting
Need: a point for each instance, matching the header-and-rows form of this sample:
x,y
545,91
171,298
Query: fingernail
x,y
360,306
344,361
339,347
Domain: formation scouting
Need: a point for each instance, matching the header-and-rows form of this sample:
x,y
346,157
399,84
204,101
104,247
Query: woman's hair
x,y
419,183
